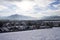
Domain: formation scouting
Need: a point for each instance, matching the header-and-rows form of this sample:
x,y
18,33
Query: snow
x,y
40,34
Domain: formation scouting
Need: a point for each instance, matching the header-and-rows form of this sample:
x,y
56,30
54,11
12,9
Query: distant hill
x,y
17,17
51,18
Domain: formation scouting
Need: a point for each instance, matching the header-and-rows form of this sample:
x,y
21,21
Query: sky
x,y
32,8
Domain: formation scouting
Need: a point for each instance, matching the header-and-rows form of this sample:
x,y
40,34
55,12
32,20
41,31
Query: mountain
x,y
21,17
17,17
51,18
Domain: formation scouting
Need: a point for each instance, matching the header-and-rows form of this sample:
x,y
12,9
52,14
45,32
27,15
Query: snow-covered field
x,y
41,34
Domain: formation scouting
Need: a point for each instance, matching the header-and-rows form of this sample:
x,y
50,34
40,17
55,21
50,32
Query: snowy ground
x,y
41,34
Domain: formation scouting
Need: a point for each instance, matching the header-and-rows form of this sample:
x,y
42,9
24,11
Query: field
x,y
41,34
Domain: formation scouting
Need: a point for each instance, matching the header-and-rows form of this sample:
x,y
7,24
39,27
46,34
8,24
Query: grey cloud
x,y
9,10
16,0
10,0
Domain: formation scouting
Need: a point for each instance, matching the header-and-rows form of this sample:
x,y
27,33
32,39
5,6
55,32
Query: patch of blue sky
x,y
56,2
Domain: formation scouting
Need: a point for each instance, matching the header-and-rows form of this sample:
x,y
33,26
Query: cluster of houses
x,y
11,26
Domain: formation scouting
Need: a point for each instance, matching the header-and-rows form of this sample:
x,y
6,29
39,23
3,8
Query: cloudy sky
x,y
33,8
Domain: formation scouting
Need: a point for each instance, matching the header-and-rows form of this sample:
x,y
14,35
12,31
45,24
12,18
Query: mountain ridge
x,y
17,17
51,18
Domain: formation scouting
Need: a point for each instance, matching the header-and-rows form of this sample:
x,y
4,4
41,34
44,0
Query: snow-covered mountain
x,y
21,17
17,17
51,18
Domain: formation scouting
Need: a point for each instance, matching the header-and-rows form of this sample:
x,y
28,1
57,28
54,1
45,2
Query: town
x,y
12,26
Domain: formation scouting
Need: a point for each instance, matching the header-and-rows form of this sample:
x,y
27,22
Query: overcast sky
x,y
33,8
